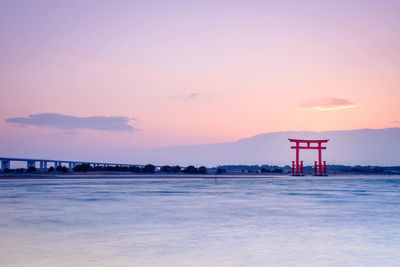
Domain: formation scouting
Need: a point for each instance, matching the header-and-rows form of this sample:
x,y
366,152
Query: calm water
x,y
200,222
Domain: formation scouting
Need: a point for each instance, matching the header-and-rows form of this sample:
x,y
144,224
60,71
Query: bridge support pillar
x,y
71,166
41,165
5,164
31,163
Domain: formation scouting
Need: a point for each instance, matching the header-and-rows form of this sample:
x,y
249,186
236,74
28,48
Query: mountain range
x,y
349,147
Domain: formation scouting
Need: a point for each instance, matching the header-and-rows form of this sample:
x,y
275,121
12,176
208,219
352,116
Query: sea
x,y
189,221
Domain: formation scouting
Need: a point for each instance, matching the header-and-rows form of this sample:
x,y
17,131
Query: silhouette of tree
x,y
149,168
166,168
190,169
169,169
176,168
202,170
31,169
82,167
135,169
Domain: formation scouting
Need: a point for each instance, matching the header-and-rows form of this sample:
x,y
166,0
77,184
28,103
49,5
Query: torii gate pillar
x,y
297,166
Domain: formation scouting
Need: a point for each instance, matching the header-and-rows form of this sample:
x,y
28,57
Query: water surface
x,y
200,222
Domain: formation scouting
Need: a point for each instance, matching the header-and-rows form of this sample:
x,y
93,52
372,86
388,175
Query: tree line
x,y
149,168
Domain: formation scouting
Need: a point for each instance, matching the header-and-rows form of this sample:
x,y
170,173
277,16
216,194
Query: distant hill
x,y
352,147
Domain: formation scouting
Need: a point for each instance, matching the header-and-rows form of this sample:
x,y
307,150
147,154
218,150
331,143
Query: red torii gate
x,y
319,169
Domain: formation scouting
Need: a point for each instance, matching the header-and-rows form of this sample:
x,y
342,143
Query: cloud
x,y
65,122
191,95
195,96
328,103
395,121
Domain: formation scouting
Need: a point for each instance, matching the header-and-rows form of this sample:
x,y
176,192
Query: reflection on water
x,y
200,222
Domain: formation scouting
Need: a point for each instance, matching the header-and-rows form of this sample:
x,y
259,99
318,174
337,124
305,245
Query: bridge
x,y
42,164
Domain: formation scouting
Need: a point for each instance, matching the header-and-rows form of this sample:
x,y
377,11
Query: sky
x,y
98,75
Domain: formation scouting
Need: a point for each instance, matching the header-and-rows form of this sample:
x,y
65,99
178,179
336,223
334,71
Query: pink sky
x,y
195,72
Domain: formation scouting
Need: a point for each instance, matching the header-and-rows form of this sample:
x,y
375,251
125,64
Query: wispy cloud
x,y
395,122
65,122
328,103
193,95
197,96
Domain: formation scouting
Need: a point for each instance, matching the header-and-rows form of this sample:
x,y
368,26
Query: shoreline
x,y
112,176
